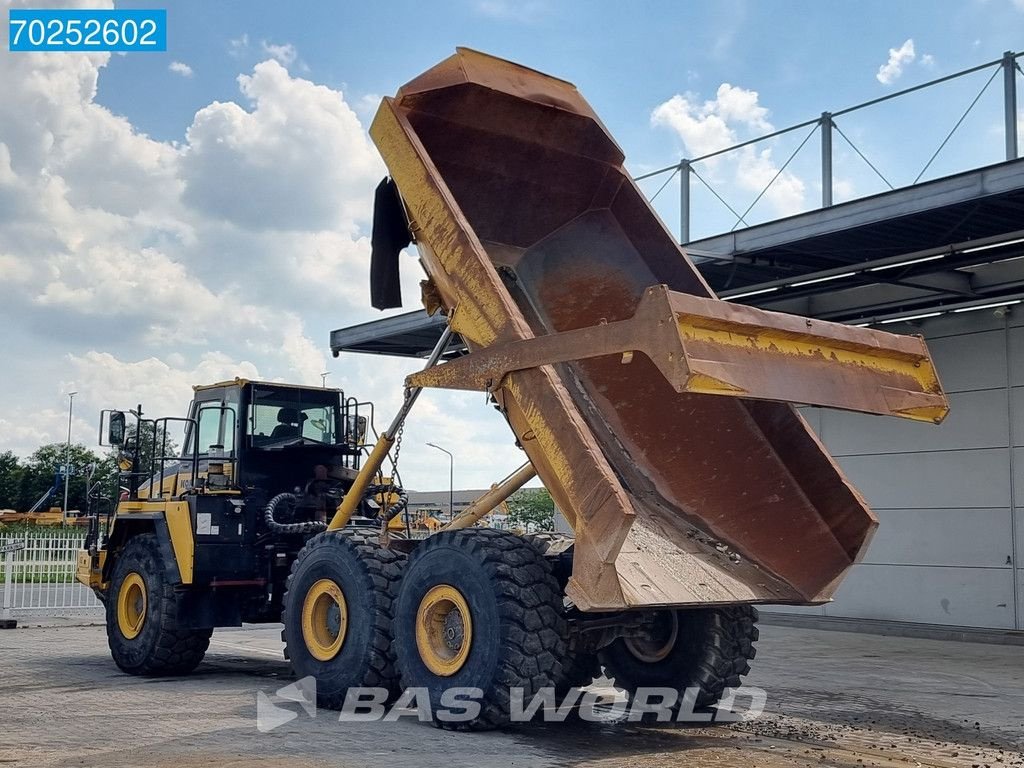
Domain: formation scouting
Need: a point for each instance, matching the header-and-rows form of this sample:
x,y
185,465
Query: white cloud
x,y
928,61
843,189
890,72
134,268
299,160
734,115
285,54
239,46
757,170
366,105
701,129
159,386
711,125
180,68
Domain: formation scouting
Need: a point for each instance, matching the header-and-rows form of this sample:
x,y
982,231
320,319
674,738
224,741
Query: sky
x,y
170,219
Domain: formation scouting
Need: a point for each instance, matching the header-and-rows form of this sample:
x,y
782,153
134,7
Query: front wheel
x,y
143,622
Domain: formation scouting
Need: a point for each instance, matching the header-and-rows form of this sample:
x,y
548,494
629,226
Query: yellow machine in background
x,y
52,516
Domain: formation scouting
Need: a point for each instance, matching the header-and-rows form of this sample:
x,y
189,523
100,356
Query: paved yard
x,y
835,699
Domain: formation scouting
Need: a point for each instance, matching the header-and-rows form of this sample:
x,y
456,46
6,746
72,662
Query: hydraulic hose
x,y
269,517
394,510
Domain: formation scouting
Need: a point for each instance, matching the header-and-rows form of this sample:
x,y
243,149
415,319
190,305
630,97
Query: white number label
x,y
20,24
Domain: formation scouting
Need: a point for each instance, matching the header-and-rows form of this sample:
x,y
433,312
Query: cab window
x,y
318,423
230,426
209,426
284,413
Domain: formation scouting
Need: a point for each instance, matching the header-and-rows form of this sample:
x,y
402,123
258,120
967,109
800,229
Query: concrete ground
x,y
834,699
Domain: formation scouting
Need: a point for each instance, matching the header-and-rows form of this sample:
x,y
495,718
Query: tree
x,y
531,509
40,473
148,447
10,480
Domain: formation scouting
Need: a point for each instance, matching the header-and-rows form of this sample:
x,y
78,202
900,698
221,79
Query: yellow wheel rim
x,y
324,620
131,605
663,640
444,630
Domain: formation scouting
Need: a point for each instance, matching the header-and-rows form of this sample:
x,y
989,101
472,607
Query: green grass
x,y
45,578
25,568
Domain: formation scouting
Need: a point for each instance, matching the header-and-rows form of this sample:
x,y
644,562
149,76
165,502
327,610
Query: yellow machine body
x,y
658,416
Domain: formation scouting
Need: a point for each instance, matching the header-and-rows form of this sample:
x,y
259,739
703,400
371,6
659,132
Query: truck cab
x,y
245,445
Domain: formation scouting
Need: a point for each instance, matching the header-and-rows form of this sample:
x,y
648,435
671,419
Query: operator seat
x,y
289,423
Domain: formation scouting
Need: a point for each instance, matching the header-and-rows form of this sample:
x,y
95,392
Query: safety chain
x,y
398,438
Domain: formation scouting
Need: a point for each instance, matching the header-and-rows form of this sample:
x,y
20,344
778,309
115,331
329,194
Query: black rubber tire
x,y
712,652
368,576
519,632
578,669
557,550
162,647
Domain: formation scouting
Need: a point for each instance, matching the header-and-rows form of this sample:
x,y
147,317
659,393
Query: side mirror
x,y
116,428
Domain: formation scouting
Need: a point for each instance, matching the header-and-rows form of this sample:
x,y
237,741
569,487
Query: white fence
x,y
39,575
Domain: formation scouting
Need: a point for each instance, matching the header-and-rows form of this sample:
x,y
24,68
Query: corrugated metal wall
x,y
950,498
950,548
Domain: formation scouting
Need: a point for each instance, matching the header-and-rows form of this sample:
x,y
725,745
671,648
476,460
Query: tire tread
x,y
722,659
178,650
382,573
533,641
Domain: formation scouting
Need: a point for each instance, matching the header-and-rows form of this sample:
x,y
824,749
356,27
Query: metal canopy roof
x,y
854,259
413,334
948,244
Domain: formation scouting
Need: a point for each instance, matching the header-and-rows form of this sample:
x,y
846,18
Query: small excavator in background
x,y
36,515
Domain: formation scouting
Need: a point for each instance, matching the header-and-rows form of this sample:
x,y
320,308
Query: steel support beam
x,y
946,282
684,201
826,159
487,503
960,188
1010,103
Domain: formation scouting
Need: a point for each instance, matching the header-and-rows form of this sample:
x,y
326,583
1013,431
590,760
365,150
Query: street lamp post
x,y
451,480
67,456
323,379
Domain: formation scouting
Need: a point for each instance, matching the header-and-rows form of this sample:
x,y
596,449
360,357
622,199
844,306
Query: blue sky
x,y
170,219
800,57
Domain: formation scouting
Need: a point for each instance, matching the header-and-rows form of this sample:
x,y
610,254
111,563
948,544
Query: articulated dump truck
x,y
660,418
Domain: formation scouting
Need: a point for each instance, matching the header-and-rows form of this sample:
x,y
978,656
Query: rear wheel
x,y
705,648
143,622
579,668
478,609
337,614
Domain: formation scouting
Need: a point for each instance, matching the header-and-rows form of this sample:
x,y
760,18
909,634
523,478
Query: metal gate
x,y
39,575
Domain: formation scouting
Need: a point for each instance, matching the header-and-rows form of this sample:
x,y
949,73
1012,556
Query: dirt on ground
x,y
834,699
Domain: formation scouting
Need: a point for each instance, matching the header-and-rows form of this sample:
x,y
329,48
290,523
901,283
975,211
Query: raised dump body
x,y
652,411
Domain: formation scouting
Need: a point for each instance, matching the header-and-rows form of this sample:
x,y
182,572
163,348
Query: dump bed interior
x,y
529,225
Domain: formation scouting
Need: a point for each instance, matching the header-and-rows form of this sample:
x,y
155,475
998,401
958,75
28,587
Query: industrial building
x,y
443,506
945,259
950,548
946,262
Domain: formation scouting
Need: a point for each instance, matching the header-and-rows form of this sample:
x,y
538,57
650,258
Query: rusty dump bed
x,y
653,412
